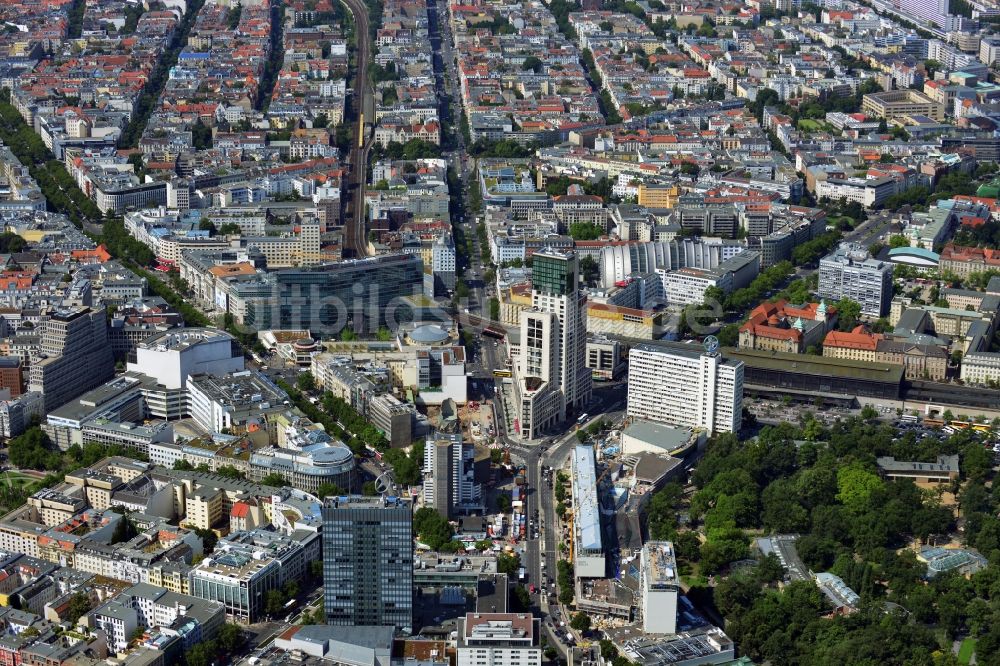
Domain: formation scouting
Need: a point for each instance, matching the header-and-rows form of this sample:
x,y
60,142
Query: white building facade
x,y
684,385
499,639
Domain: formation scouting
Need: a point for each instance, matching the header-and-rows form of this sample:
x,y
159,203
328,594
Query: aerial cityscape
x,y
499,333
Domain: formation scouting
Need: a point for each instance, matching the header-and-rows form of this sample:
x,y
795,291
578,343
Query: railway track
x,y
355,231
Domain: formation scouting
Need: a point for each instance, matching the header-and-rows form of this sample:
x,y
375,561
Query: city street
x,y
489,355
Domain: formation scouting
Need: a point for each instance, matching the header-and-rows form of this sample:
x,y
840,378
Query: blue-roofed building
x,y
588,544
193,55
917,257
184,73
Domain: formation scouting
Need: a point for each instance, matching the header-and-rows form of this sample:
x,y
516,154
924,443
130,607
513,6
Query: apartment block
x,y
681,384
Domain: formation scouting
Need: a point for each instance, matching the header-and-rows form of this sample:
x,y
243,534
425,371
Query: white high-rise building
x,y
172,356
450,475
685,385
552,376
660,582
443,264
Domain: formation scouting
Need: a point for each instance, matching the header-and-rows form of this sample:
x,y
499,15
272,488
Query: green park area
x,y
809,125
967,649
16,479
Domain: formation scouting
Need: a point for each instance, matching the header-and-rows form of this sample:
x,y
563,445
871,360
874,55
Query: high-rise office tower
x,y
450,485
851,272
552,373
75,356
368,562
685,385
660,584
443,264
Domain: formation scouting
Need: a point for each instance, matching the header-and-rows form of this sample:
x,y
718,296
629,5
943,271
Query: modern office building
x,y
660,582
368,561
605,358
238,580
293,552
851,272
232,402
687,286
324,299
75,355
170,357
443,264
499,639
685,385
551,375
450,486
317,459
588,542
11,375
393,417
899,103
868,192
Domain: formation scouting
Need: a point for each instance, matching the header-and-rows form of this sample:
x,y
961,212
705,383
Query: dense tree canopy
x,y
983,235
585,231
820,482
432,528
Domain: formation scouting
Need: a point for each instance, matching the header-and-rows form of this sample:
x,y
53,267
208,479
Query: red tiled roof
x,y
852,340
962,253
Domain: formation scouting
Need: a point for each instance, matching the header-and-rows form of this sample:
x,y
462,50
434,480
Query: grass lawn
x,y
967,649
807,125
694,581
16,478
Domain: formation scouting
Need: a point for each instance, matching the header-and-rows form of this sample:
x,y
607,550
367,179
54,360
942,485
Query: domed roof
x,y
304,343
429,334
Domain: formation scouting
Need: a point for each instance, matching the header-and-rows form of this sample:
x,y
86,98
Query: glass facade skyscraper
x,y
553,274
552,377
368,562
